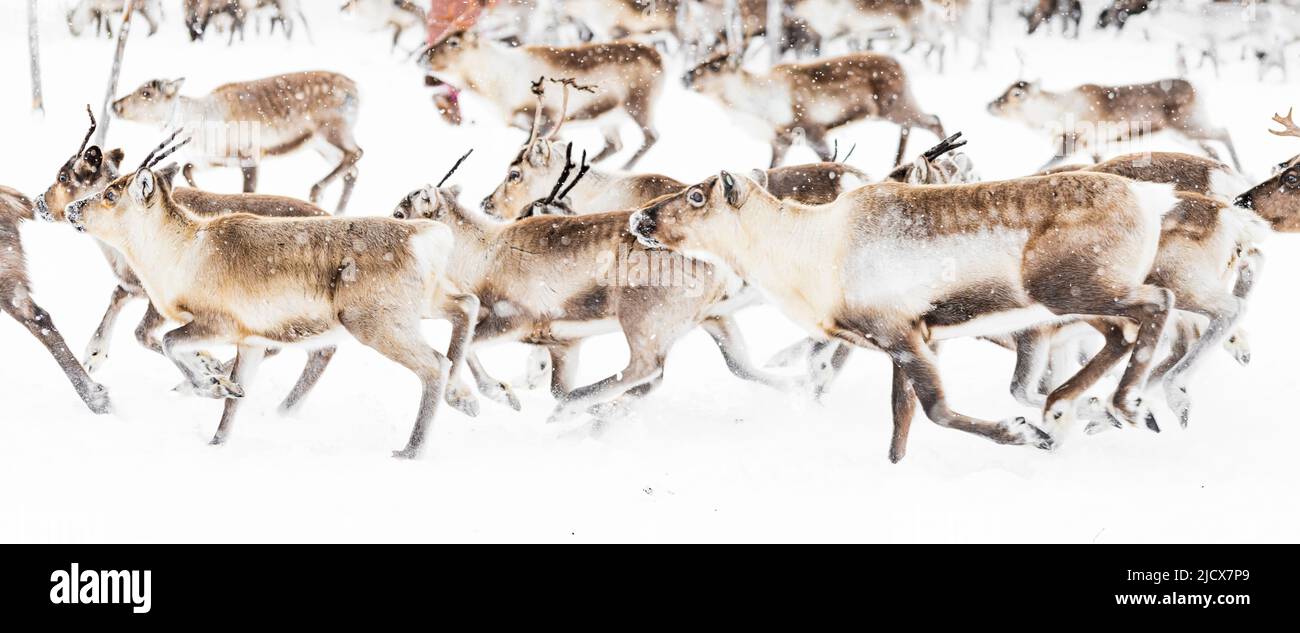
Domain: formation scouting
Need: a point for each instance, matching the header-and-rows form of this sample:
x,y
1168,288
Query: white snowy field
x,y
707,457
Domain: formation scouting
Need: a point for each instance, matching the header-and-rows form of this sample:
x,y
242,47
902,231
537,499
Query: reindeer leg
x,y
613,142
496,390
731,343
904,131
1032,350
340,136
250,177
917,361
817,140
538,367
317,361
247,360
20,306
1224,312
462,310
179,346
780,145
904,404
564,366
404,344
639,108
97,349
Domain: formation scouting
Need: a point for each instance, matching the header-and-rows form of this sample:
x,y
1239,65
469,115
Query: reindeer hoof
x,y
217,440
462,400
1025,433
97,399
501,393
222,388
95,359
406,453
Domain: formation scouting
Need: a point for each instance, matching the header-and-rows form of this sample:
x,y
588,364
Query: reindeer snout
x,y
117,107
73,213
43,210
487,205
1245,201
642,224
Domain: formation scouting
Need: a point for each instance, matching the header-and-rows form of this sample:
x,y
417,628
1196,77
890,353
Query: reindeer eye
x,y
401,215
453,43
63,177
110,196
147,94
1291,179
515,175
1017,93
695,197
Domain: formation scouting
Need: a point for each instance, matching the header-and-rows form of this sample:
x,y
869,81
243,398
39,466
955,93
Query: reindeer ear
x,y
167,174
759,176
93,156
143,187
965,168
170,88
115,157
453,192
735,190
920,172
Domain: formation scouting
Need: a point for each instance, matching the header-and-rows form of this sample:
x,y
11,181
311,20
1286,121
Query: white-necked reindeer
x,y
88,171
909,265
240,124
259,282
813,98
617,80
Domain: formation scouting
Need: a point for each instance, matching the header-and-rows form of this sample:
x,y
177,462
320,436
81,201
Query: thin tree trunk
x,y
733,30
34,47
104,119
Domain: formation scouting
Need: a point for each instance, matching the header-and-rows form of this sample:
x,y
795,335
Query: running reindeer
x,y
541,160
915,264
258,282
90,170
814,98
243,123
1090,116
620,80
16,300
555,281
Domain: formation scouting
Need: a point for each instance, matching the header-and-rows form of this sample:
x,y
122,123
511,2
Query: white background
x,y
707,457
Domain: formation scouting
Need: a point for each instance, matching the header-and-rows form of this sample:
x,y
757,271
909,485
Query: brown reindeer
x,y
814,98
16,300
90,170
557,280
620,80
1040,12
242,123
1091,116
258,282
1186,172
915,264
1277,200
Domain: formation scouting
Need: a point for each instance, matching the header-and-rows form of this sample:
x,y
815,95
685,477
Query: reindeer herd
x,y
1142,261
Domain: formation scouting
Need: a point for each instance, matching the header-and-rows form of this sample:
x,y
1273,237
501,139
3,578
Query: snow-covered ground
x,y
707,457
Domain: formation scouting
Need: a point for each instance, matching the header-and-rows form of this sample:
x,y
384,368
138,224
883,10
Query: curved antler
x,y
538,91
567,82
454,167
1288,126
582,171
89,133
564,174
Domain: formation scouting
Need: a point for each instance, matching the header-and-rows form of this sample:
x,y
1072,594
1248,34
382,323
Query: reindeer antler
x,y
1288,126
836,155
567,82
564,173
538,91
944,146
89,133
582,171
454,167
154,157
